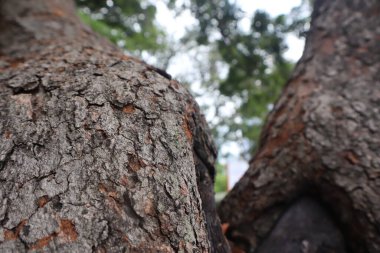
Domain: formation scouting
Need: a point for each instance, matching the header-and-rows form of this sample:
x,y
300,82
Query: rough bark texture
x,y
322,138
99,152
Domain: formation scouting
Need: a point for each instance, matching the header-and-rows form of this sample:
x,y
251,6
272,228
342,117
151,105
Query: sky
x,y
274,8
181,64
177,26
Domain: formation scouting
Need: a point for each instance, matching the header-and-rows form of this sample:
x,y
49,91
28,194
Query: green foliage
x,y
220,184
113,34
254,58
128,23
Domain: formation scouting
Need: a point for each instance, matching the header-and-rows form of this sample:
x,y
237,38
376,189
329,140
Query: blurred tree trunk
x,y
322,138
99,152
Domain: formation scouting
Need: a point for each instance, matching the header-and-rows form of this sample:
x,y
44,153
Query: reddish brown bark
x,y
322,138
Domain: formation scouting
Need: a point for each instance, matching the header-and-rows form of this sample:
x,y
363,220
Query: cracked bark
x,y
99,152
322,138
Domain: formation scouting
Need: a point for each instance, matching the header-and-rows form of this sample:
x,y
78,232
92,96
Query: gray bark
x,y
99,152
322,138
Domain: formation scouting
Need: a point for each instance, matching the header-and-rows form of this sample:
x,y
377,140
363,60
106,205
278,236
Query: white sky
x,y
176,26
274,8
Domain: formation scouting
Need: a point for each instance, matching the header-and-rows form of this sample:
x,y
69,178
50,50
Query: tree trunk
x,y
322,138
99,152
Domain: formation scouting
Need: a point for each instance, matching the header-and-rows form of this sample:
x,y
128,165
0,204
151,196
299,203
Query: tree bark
x,y
99,152
322,138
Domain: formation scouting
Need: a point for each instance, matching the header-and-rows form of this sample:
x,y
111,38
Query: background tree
x,y
321,139
98,151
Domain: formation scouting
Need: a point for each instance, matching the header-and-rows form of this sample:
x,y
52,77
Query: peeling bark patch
x,y
103,189
129,109
7,135
134,163
41,202
112,200
124,180
68,231
225,227
41,243
149,207
351,157
287,131
113,203
58,12
184,190
174,84
9,235
14,234
286,122
166,225
186,128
